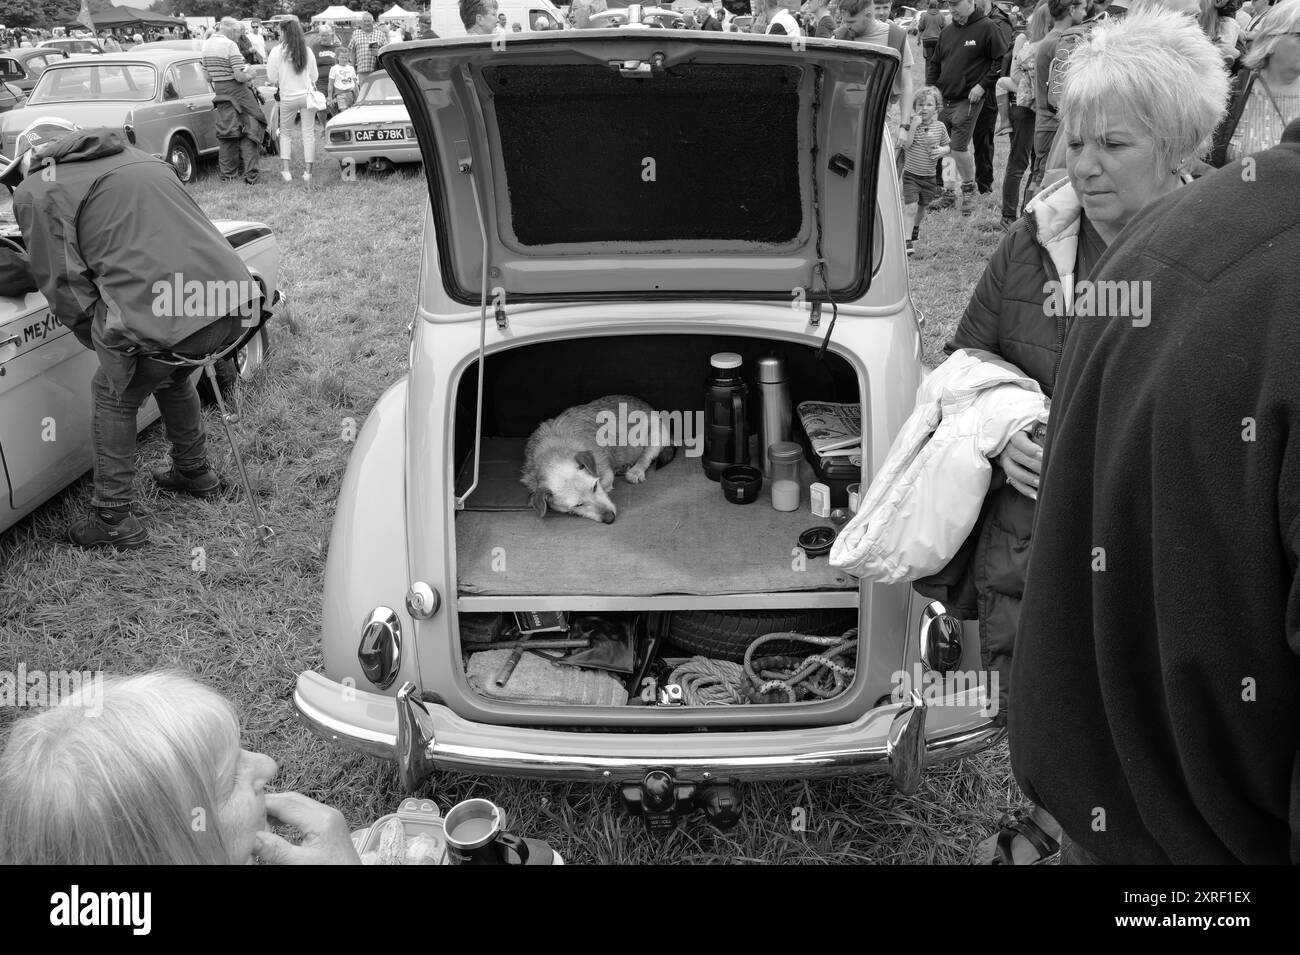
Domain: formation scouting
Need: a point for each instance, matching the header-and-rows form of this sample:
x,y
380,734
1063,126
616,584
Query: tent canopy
x,y
335,14
115,17
395,12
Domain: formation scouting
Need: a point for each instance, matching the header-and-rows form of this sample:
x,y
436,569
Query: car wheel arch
x,y
183,136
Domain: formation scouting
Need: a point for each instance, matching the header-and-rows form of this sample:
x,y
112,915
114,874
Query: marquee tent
x,y
117,17
337,15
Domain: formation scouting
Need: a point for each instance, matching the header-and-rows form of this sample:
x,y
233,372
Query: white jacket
x,y
925,500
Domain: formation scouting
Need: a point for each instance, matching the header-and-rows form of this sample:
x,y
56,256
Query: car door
x,y
154,120
191,81
11,71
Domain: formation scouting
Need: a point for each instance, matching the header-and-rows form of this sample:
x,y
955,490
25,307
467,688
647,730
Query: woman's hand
x,y
325,836
1022,460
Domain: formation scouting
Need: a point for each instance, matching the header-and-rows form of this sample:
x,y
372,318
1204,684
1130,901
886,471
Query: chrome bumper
x,y
423,737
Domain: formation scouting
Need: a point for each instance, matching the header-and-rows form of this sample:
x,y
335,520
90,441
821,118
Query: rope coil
x,y
820,675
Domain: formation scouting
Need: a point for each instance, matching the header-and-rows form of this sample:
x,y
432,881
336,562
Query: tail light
x,y
941,638
380,652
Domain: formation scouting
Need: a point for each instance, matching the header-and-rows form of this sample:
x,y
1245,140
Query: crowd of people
x,y
1135,572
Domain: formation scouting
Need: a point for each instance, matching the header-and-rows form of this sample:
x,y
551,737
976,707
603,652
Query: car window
x,y
191,79
10,70
548,22
131,82
380,90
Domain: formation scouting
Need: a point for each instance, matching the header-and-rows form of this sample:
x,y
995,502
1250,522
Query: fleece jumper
x,y
969,55
1155,703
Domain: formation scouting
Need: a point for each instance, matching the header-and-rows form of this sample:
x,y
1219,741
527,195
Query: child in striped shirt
x,y
923,144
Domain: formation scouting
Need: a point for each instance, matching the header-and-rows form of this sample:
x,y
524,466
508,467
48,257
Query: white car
x,y
377,131
538,292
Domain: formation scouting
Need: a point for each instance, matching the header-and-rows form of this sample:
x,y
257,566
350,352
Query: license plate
x,y
379,135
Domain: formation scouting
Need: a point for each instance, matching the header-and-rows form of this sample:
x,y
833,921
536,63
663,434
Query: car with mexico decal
x,y
375,132
45,377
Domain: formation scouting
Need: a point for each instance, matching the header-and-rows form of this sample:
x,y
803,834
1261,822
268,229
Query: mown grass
x,y
248,623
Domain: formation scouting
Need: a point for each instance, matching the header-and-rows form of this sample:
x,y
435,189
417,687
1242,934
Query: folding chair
x,y
261,530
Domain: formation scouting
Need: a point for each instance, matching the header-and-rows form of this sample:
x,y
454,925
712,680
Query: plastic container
x,y
418,816
785,457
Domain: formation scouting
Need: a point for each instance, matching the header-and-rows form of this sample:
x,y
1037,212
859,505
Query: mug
x,y
475,836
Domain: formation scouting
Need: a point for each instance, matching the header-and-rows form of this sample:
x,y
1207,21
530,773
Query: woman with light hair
x,y
1266,92
1140,96
148,770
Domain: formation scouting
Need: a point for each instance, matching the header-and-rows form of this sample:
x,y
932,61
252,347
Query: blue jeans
x,y
113,416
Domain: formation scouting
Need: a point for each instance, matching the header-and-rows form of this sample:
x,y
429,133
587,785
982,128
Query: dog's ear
x,y
586,460
538,500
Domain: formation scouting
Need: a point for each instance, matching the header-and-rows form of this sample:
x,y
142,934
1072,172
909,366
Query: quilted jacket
x,y
926,498
1006,316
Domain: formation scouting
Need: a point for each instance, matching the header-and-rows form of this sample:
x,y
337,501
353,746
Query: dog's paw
x,y
635,474
607,480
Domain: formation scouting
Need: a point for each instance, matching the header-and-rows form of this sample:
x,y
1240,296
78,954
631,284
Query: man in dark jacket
x,y
982,137
1157,670
969,55
129,262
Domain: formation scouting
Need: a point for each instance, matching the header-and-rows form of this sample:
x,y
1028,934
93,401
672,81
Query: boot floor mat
x,y
675,534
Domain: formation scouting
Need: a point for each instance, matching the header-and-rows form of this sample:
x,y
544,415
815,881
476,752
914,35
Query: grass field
x,y
248,622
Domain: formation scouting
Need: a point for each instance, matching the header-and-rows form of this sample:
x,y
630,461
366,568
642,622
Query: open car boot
x,y
1024,837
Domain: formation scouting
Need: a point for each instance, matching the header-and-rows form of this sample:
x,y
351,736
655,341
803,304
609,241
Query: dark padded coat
x,y
1006,316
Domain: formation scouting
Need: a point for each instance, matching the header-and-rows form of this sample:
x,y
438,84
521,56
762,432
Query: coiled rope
x,y
707,682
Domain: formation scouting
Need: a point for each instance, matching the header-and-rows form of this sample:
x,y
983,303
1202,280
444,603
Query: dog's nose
x,y
608,517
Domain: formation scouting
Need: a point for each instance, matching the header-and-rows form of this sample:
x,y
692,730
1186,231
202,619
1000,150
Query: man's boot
x,y
203,482
113,527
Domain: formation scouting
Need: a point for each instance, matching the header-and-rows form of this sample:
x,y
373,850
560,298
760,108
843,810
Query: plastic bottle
x,y
785,457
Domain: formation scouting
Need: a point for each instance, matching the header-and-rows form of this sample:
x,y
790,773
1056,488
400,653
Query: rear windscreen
x,y
692,152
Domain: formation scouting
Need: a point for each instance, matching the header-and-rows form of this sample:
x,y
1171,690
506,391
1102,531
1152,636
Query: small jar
x,y
785,457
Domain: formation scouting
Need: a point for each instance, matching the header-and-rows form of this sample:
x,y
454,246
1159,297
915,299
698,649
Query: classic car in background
x,y
75,46
45,378
376,132
23,67
163,95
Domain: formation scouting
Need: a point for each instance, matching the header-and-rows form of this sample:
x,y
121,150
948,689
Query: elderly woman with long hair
x,y
1140,98
148,770
292,68
1266,92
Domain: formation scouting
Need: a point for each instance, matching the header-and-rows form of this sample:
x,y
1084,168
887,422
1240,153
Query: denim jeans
x,y
113,416
1022,152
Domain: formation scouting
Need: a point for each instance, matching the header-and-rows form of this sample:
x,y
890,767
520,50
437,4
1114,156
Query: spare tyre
x,y
726,634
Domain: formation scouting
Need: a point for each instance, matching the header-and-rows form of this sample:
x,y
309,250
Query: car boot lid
x,y
641,164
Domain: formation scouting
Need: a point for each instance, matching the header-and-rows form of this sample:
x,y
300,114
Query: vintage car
x,y
22,67
655,17
163,96
75,46
540,292
45,377
376,132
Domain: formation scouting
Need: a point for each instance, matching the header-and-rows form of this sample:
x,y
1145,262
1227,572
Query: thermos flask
x,y
726,417
774,395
